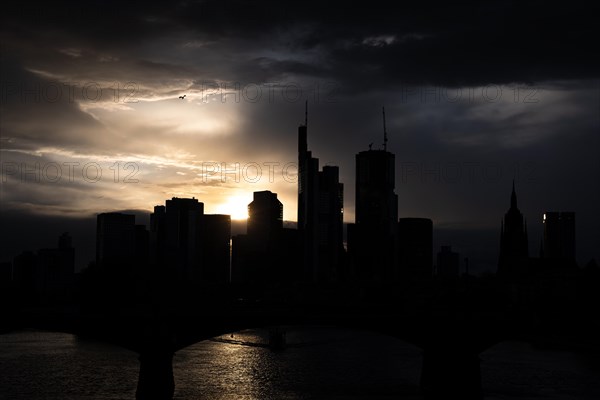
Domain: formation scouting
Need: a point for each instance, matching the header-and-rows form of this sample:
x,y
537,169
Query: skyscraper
x,y
559,236
121,252
265,226
448,263
376,214
267,253
115,239
415,247
330,224
215,239
376,201
265,217
55,270
158,233
175,232
514,253
188,245
320,213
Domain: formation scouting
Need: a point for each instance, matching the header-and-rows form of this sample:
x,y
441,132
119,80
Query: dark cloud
x,y
456,44
38,112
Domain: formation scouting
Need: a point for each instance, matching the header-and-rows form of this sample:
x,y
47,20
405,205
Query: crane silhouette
x,y
182,97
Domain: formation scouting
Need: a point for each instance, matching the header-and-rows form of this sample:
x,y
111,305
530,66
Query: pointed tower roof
x,y
513,197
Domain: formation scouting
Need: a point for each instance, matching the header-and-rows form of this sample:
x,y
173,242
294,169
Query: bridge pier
x,y
450,373
156,379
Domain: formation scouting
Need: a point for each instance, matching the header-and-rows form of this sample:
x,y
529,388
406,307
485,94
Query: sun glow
x,y
236,206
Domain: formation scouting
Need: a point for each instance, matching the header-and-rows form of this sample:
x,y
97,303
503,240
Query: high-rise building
x,y
376,201
115,239
158,233
59,263
47,276
376,215
142,248
241,272
320,214
55,269
514,253
188,245
176,238
216,242
415,247
265,217
448,263
559,236
267,253
330,209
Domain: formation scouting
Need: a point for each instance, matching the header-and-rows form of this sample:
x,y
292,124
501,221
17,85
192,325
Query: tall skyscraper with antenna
x,y
320,213
376,213
385,138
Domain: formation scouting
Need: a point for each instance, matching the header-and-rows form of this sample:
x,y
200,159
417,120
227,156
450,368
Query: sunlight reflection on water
x,y
320,363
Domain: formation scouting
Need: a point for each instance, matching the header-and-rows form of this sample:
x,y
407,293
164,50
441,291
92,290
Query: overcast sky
x,y
475,96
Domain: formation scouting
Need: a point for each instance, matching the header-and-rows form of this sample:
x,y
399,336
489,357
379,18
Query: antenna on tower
x,y
306,113
385,139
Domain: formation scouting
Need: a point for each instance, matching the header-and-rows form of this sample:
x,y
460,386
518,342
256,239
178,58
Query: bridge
x,y
451,335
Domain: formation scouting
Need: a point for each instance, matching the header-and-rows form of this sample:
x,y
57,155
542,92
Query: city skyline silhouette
x,y
187,265
483,262
314,200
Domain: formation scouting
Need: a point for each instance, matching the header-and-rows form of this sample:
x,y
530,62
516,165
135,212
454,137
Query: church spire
x,y
513,197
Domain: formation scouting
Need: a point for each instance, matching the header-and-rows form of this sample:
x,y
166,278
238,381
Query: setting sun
x,y
236,206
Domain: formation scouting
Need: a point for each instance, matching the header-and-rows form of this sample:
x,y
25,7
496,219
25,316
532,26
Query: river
x,y
320,363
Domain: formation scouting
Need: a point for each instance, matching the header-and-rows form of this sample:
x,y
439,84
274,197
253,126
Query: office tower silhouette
x,y
175,231
119,258
142,248
216,242
448,263
415,248
320,214
115,240
239,259
47,276
559,236
265,227
374,234
514,254
267,254
158,232
308,169
188,245
265,217
330,224
55,270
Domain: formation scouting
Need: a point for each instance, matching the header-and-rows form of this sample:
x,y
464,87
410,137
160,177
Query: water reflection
x,y
319,364
51,365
